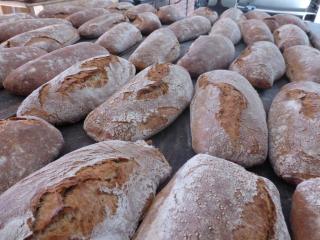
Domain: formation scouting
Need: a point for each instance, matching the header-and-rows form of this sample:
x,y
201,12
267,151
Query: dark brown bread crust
x,y
59,11
81,17
169,14
254,30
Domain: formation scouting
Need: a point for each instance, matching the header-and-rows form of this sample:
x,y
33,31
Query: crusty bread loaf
x,y
81,17
234,13
159,47
147,22
150,102
271,23
290,35
99,25
59,11
315,40
208,53
302,63
71,95
8,18
120,7
283,19
169,14
208,13
294,136
30,76
48,38
12,58
255,14
261,63
254,30
97,192
120,38
211,198
20,153
305,210
133,12
190,28
228,119
228,28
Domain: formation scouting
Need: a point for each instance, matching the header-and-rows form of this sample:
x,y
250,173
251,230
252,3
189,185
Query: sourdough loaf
x,y
254,30
30,76
228,119
255,14
169,14
81,17
133,12
59,11
227,28
147,22
97,192
261,63
208,53
294,123
20,153
120,7
211,198
150,102
271,23
159,47
72,94
283,19
235,14
206,12
8,18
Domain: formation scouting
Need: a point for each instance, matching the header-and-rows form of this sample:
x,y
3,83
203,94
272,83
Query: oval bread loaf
x,y
211,198
81,17
119,7
235,14
169,14
97,192
159,47
71,95
20,153
150,102
147,22
206,12
227,28
261,63
13,17
271,23
228,119
59,11
283,19
294,135
256,15
254,31
133,12
30,76
208,53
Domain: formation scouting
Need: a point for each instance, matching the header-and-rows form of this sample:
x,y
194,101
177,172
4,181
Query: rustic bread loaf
x,y
147,22
290,35
271,23
150,102
12,58
234,13
30,76
302,63
190,28
212,16
97,192
133,12
283,19
315,40
227,28
159,47
99,25
210,198
59,11
72,94
228,119
169,14
120,38
48,38
305,210
254,30
8,18
255,14
208,53
81,17
20,153
261,63
294,123
120,7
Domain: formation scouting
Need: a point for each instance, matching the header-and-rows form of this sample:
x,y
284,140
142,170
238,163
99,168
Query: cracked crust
x,y
206,12
81,17
147,22
254,30
227,28
235,14
133,12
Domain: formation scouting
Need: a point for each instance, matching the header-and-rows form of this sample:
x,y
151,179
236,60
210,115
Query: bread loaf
x,y
228,119
271,23
305,210
147,22
315,40
235,14
255,14
133,12
48,38
283,19
81,17
254,31
72,94
59,11
159,47
206,12
190,28
30,76
290,35
8,18
302,63
97,192
294,123
120,7
12,58
20,153
120,38
169,14
99,25
150,102
261,63
208,53
210,198
227,28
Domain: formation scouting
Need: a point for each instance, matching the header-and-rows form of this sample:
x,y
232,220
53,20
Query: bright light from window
x,y
37,9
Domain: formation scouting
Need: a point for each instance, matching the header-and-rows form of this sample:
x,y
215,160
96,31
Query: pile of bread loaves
x,y
108,190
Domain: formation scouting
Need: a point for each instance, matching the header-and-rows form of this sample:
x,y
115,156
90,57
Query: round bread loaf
x,y
81,17
255,14
59,11
254,30
227,28
169,14
147,22
234,13
133,12
283,19
206,12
